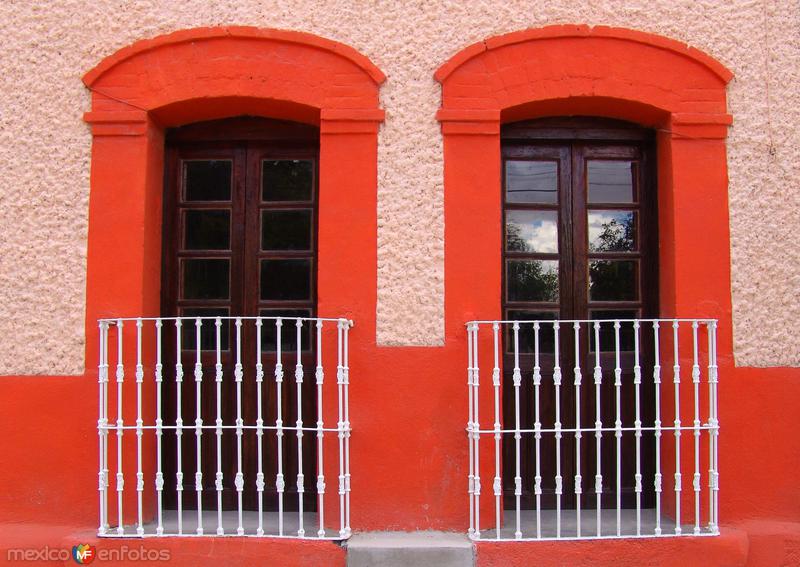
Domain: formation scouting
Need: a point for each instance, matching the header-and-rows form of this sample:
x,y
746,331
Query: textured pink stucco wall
x,y
44,148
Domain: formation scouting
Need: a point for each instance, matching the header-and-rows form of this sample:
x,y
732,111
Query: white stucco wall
x,y
45,146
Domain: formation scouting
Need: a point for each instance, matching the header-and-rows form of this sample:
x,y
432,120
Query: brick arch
x,y
540,71
245,67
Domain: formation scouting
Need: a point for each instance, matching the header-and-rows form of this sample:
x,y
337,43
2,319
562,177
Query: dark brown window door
x,y
580,242
240,239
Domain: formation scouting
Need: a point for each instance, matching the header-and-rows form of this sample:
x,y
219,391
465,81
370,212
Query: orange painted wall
x,y
408,405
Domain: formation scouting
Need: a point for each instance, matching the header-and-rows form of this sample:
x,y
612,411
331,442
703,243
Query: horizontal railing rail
x,y
587,419
229,432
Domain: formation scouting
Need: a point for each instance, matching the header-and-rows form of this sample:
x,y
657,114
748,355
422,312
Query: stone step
x,y
409,549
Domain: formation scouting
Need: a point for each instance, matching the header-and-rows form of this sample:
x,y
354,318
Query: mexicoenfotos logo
x,y
83,553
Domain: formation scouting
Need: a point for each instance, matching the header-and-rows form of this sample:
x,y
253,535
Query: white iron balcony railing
x,y
225,455
591,428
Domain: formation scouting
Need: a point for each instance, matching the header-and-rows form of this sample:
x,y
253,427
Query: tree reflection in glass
x,y
612,280
612,231
532,280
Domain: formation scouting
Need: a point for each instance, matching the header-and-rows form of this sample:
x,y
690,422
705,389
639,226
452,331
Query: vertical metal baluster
x,y
102,427
537,429
280,483
657,423
298,376
557,384
340,424
676,378
714,422
696,384
218,423
139,431
598,424
578,380
159,431
198,423
476,431
238,374
517,376
497,486
320,376
471,477
178,423
618,423
120,475
259,430
347,326
637,381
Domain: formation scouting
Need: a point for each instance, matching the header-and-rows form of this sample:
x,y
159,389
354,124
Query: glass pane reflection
x,y
613,280
206,278
286,279
286,230
612,231
207,180
207,230
532,182
532,280
286,180
610,181
532,231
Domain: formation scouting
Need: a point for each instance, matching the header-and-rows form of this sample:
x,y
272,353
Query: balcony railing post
x,y
102,428
497,485
120,424
159,432
578,379
139,431
259,430
198,424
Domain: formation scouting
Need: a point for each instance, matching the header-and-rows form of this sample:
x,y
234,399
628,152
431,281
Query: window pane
x,y
207,230
608,333
207,180
286,230
532,280
527,334
610,181
286,180
208,330
613,280
612,231
286,279
269,340
206,278
532,182
532,231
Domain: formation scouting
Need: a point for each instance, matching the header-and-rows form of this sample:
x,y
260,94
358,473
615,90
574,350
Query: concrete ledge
x,y
404,549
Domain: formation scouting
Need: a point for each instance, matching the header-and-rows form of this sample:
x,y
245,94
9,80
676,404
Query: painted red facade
x,y
408,405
